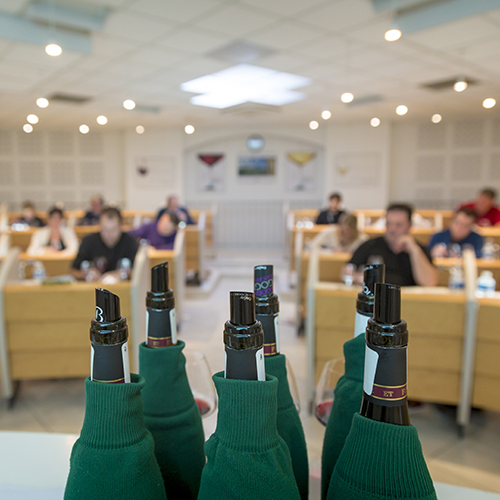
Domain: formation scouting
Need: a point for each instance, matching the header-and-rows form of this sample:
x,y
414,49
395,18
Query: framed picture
x,y
256,165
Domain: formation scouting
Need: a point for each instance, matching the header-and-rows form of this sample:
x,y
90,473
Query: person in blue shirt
x,y
459,233
174,207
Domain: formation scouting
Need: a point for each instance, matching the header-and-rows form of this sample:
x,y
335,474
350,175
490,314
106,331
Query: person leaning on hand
x,y
407,263
106,249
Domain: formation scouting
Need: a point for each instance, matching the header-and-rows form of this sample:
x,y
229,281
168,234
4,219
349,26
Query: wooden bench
x,y
44,329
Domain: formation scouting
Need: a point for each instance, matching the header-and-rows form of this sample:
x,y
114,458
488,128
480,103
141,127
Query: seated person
x,y
487,212
332,214
105,249
346,237
55,237
459,233
159,234
407,263
29,217
174,208
91,217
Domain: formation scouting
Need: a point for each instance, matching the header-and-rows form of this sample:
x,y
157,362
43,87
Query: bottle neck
x,y
161,328
110,363
245,364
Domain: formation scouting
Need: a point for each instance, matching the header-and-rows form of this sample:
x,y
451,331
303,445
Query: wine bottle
x,y
348,393
380,459
244,340
373,273
170,410
108,337
288,420
161,330
385,378
267,308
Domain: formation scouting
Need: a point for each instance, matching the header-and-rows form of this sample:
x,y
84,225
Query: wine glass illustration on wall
x,y
300,159
210,160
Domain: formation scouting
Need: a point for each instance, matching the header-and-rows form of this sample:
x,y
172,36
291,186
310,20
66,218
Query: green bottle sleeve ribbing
x,y
289,424
347,401
246,457
381,461
113,459
173,418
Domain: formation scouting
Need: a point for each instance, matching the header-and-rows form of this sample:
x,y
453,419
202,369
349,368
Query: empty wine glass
x,y
200,380
330,376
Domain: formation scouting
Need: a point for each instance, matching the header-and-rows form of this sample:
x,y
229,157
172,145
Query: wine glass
x,y
330,376
200,380
292,384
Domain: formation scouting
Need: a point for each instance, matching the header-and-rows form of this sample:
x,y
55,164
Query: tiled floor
x,y
58,405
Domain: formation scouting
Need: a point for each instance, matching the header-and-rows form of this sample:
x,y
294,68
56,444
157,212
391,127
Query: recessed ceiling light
x,y
189,129
101,120
245,83
401,110
460,85
313,125
140,129
489,103
41,102
392,35
28,128
129,104
436,118
346,97
32,119
53,49
375,122
326,114
84,129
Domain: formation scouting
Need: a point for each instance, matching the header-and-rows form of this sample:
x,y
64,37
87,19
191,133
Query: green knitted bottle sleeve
x,y
114,457
289,424
348,395
173,418
382,462
246,457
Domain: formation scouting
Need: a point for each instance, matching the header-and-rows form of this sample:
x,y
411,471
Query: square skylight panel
x,y
245,83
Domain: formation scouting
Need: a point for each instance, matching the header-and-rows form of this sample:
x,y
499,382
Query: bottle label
x,y
261,366
271,333
161,328
245,364
110,363
360,323
385,378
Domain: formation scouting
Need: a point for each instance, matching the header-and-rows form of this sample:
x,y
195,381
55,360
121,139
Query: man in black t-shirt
x,y
105,250
332,214
407,263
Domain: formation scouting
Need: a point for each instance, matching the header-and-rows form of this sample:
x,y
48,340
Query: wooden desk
x,y
445,264
21,239
209,225
487,367
56,264
435,318
492,233
308,234
47,328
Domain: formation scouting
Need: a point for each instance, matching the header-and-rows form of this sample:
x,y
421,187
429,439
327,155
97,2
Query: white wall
x,y
162,152
441,165
232,143
60,166
358,164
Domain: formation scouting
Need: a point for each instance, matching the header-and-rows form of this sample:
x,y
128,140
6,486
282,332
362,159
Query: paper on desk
x,y
19,493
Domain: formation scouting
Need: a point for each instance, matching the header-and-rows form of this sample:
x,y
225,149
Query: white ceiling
x,y
149,47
